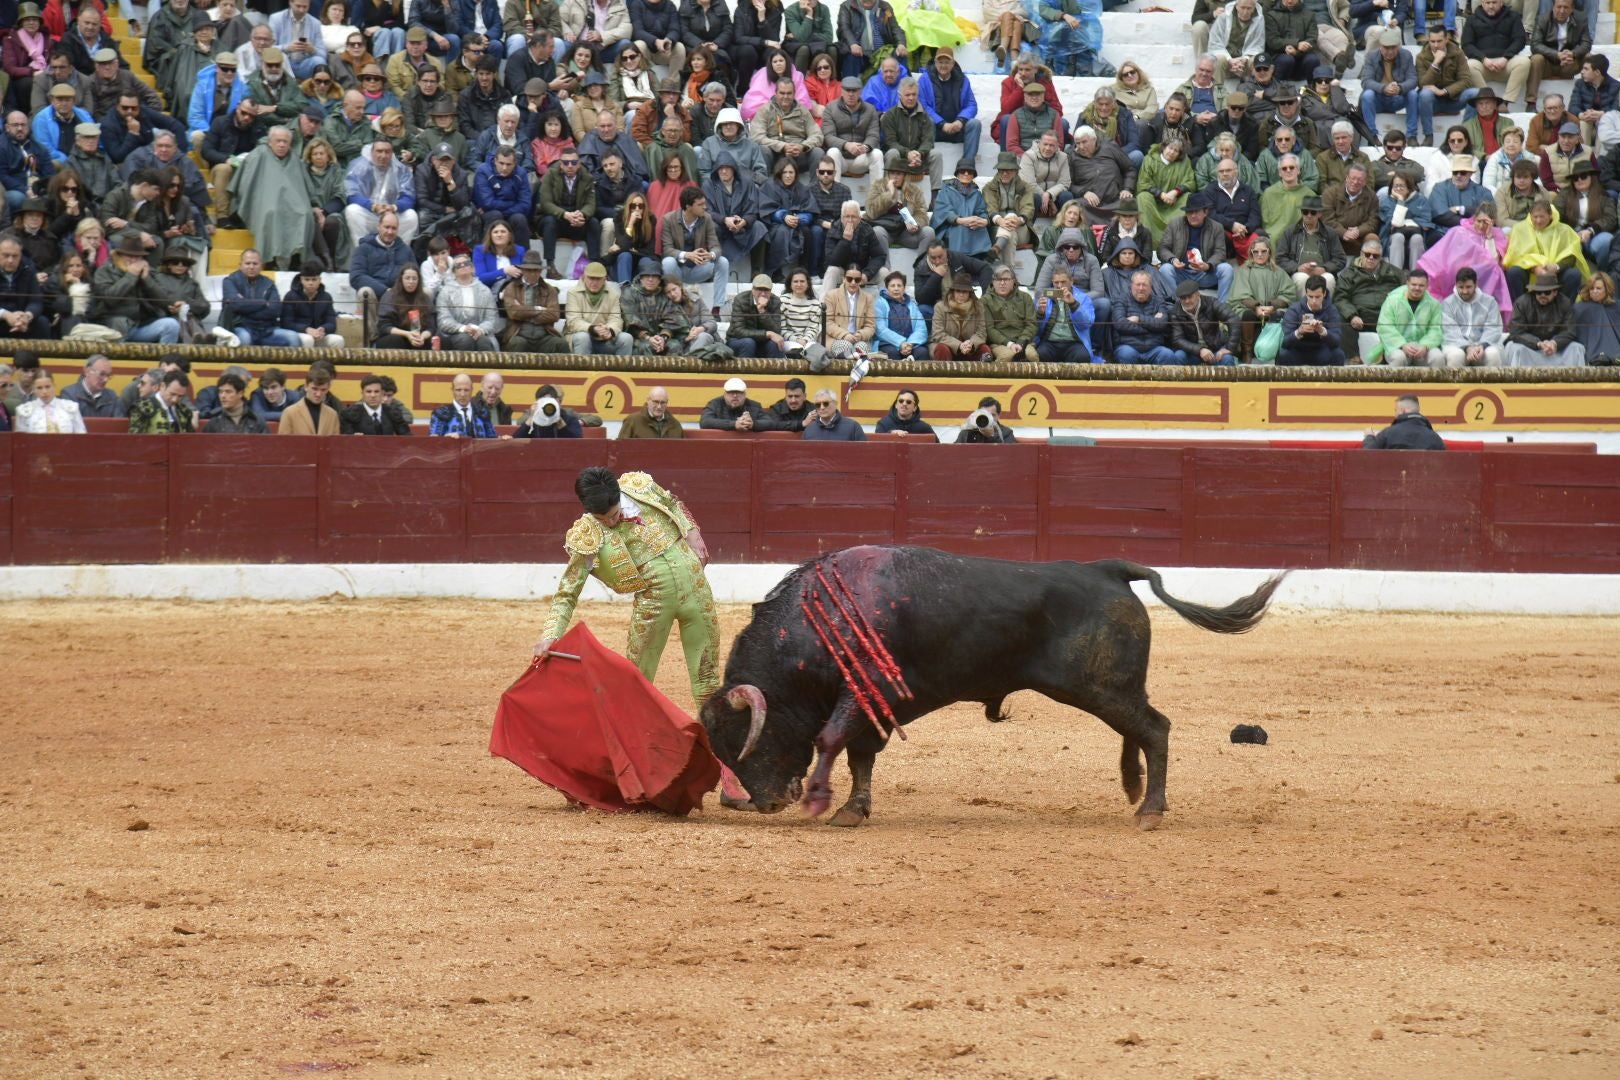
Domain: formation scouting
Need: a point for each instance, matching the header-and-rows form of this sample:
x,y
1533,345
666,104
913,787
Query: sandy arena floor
x,y
254,840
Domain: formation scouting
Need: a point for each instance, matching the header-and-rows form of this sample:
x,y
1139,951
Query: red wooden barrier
x,y
247,500
80,500
126,499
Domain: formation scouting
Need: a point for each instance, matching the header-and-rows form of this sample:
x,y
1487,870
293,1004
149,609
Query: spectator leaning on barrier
x,y
734,410
653,421
1410,431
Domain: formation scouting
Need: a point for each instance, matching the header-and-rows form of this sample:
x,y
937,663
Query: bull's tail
x,y
1238,617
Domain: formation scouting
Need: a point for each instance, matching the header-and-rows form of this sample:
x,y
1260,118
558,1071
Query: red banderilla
x,y
881,655
843,668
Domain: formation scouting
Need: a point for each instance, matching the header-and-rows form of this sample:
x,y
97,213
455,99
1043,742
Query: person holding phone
x,y
1311,329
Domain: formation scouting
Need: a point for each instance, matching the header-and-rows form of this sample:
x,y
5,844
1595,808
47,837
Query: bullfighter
x,y
635,537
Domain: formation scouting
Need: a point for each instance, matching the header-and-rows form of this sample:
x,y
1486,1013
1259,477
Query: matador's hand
x,y
694,540
544,646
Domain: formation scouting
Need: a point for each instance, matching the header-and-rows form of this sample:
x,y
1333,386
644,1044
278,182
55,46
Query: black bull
x,y
960,629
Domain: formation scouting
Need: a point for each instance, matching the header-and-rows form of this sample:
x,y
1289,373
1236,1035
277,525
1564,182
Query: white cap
x,y
728,116
735,385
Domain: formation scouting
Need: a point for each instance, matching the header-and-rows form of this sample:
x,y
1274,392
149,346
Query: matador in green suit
x,y
635,537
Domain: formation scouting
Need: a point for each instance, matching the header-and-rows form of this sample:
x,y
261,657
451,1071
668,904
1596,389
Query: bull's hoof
x,y
1133,789
848,818
1149,822
731,803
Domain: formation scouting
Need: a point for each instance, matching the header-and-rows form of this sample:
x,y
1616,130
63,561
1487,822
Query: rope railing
x,y
359,360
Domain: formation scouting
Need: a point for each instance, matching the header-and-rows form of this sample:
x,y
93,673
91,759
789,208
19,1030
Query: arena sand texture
x,y
262,840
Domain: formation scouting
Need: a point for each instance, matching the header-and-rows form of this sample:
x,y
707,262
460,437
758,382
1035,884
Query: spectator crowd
x,y
160,402
438,152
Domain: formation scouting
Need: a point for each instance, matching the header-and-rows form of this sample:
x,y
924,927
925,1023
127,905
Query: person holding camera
x,y
548,419
983,425
1311,329
1066,314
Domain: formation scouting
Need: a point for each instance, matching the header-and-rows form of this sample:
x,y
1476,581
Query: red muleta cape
x,y
597,731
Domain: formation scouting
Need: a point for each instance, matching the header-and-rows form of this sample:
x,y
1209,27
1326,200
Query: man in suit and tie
x,y
463,417
312,415
371,415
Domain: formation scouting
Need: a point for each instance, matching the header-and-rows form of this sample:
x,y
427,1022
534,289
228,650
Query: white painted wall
x,y
1321,590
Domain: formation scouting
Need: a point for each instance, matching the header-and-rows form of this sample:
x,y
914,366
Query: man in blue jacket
x,y
947,97
204,110
501,192
1389,81
375,265
1142,325
252,306
882,90
1066,315
53,126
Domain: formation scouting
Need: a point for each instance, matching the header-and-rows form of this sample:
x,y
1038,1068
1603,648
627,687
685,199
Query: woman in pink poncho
x,y
1478,243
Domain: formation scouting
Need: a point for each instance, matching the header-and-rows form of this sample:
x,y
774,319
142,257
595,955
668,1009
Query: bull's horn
x,y
750,696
